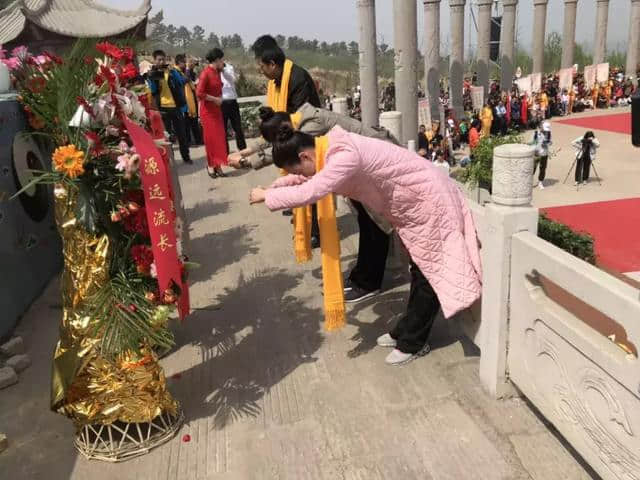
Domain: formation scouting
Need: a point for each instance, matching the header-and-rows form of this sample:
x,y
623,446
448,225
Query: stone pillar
x,y
432,54
633,44
484,43
456,56
507,43
367,62
569,33
602,19
392,121
405,35
539,28
339,105
510,213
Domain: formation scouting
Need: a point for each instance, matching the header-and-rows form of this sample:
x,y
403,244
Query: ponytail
x,y
270,122
288,144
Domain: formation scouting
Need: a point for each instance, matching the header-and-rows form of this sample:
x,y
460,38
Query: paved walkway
x,y
268,395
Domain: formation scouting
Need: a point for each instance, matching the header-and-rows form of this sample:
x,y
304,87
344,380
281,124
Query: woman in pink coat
x,y
423,204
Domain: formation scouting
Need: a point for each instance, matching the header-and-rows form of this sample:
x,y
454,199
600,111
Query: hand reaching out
x,y
257,195
234,159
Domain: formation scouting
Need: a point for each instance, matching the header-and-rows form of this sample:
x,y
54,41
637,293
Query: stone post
x,y
367,62
633,44
456,58
539,28
602,19
432,53
484,43
507,43
339,105
569,33
405,35
510,213
392,121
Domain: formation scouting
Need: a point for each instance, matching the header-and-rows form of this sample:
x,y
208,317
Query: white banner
x,y
590,76
536,82
477,97
565,78
602,72
524,85
424,113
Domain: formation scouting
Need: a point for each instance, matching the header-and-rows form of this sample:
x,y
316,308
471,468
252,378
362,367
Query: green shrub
x,y
577,244
480,169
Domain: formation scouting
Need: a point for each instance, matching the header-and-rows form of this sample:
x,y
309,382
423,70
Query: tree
x,y
324,48
183,36
157,18
383,48
581,57
353,48
281,40
236,41
198,34
213,41
171,34
553,52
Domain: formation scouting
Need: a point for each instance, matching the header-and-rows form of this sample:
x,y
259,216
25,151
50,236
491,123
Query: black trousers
x,y
373,248
194,130
542,162
583,167
231,114
174,121
412,330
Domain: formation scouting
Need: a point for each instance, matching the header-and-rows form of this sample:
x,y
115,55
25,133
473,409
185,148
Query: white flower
x,y
153,271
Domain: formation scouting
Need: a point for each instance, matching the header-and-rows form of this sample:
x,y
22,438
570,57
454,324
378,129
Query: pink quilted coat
x,y
425,207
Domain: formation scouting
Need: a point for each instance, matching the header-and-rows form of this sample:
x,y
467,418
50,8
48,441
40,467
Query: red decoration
x,y
159,214
186,438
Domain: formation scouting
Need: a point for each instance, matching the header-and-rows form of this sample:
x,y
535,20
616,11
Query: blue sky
x,y
336,20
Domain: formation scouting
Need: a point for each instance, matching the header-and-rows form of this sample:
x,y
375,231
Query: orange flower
x,y
69,160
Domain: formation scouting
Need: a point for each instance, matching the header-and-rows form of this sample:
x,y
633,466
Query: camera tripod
x,y
573,165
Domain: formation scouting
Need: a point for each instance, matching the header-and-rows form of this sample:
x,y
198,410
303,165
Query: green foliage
x,y
553,52
121,317
480,169
581,57
617,59
248,88
524,61
577,244
250,119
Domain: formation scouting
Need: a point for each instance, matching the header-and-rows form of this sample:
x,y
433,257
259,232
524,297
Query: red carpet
x,y
618,122
615,227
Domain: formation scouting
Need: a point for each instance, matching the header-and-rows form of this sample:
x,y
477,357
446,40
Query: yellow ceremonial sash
x,y
334,311
277,97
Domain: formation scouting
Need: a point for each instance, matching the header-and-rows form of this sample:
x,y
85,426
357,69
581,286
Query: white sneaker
x,y
540,186
575,184
386,340
396,357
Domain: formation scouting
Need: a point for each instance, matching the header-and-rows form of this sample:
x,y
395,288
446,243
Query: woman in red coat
x,y
209,93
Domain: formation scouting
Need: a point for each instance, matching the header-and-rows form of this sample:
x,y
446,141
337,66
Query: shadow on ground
x,y
255,338
206,209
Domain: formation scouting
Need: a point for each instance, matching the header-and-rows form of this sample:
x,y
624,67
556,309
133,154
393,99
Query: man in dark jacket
x,y
167,88
270,59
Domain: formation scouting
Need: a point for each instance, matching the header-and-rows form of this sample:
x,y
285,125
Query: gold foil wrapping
x,y
85,386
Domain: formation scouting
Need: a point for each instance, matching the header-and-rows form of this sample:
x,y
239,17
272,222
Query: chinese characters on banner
x,y
565,78
424,113
602,72
477,97
160,214
524,85
590,76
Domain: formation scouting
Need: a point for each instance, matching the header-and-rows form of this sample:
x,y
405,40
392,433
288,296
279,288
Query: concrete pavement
x,y
268,395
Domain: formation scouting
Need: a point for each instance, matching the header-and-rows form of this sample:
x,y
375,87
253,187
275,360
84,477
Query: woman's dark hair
x,y
288,144
270,123
589,134
214,54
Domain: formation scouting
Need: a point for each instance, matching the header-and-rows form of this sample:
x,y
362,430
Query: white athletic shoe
x,y
386,340
396,357
541,186
575,184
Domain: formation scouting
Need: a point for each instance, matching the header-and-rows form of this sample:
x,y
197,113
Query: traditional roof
x,y
73,18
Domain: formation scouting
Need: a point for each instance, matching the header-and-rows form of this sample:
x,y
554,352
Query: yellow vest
x,y
166,97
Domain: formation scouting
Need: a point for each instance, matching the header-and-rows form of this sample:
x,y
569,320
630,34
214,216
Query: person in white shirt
x,y
230,108
440,162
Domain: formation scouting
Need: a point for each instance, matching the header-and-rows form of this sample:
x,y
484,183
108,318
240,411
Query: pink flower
x,y
123,147
128,164
20,51
12,63
153,270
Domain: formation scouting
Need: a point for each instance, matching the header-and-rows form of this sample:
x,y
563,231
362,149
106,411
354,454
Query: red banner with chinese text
x,y
160,214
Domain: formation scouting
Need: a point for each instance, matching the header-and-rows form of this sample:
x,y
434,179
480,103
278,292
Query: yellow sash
x,y
277,97
334,312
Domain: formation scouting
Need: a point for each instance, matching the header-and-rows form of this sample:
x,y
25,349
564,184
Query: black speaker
x,y
494,45
30,248
635,119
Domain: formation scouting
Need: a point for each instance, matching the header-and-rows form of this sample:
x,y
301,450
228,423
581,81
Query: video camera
x,y
157,72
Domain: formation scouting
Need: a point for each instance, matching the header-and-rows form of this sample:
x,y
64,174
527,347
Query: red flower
x,y
98,80
53,57
136,196
137,223
129,72
142,256
128,53
89,60
36,84
88,108
108,75
110,50
95,143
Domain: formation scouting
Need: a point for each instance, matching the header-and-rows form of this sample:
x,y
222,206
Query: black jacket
x,y
176,85
301,90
